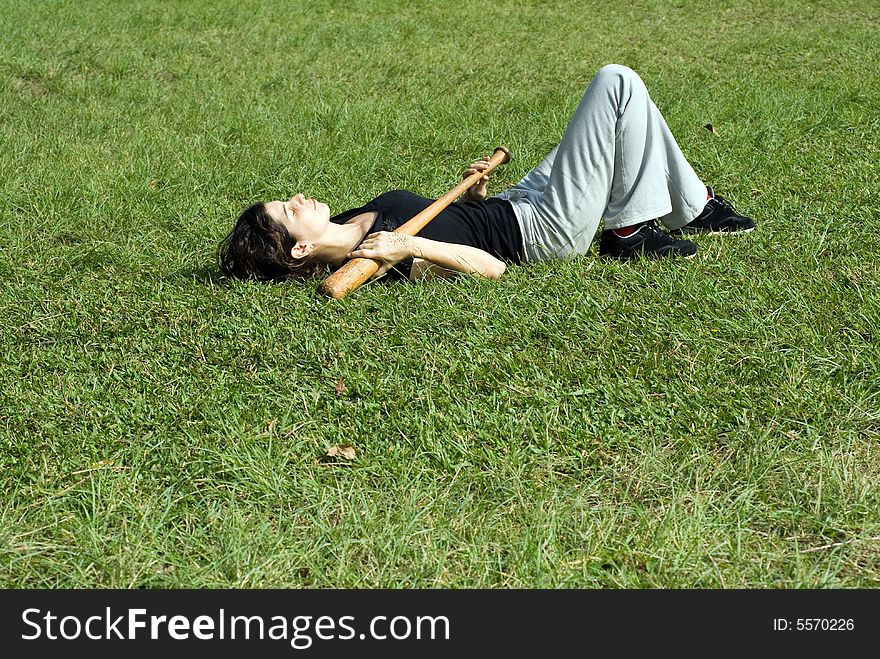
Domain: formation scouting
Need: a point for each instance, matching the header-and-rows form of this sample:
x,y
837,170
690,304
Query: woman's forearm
x,y
459,258
390,248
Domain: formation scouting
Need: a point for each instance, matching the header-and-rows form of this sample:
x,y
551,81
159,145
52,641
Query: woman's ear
x,y
301,250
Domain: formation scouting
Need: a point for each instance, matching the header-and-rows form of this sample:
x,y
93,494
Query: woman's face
x,y
306,220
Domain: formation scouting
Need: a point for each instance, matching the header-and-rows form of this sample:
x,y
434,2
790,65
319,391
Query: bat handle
x,y
506,152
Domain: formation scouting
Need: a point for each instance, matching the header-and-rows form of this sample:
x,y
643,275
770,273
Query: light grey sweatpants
x,y
617,160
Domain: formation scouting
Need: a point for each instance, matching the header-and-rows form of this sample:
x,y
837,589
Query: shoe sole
x,y
721,232
639,257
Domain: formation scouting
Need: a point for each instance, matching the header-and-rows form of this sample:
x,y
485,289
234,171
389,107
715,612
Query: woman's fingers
x,y
478,166
365,252
383,246
368,247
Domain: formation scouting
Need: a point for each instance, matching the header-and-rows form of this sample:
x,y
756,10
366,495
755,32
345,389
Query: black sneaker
x,y
647,241
719,216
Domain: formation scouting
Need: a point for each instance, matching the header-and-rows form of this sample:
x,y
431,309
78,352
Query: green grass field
x,y
710,423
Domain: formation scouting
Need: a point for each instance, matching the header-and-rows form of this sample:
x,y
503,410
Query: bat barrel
x,y
349,277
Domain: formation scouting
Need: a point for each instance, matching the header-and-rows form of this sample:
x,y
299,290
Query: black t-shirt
x,y
489,225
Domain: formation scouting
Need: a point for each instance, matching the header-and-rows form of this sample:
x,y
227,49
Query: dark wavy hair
x,y
258,248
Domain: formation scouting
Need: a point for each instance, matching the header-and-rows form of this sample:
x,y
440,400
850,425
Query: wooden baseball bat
x,y
357,271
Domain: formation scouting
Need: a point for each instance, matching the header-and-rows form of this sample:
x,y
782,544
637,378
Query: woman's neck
x,y
340,239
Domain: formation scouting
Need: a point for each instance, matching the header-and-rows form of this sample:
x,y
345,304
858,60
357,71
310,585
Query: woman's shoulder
x,y
396,197
391,200
399,204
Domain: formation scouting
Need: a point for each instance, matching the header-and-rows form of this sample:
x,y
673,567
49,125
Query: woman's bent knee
x,y
612,74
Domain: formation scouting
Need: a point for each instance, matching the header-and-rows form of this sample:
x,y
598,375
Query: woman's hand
x,y
477,192
387,248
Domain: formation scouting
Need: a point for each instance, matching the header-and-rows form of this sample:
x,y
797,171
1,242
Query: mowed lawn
x,y
713,423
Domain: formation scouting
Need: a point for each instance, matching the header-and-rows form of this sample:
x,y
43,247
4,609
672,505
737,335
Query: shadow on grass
x,y
206,274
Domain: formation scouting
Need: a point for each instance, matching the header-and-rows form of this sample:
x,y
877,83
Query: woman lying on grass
x,y
617,161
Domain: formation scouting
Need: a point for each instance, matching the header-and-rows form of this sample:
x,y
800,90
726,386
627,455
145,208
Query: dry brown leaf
x,y
711,129
340,386
341,451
